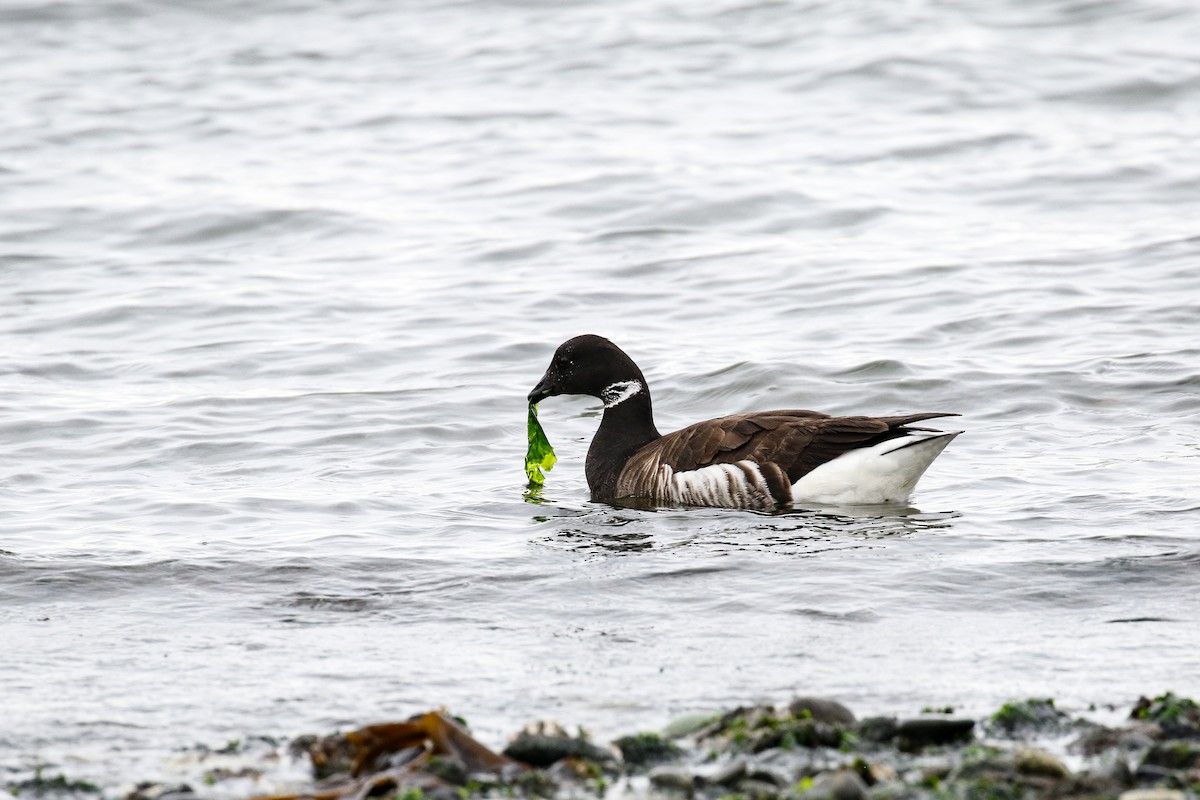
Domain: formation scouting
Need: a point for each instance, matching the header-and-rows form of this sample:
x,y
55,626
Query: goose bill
x,y
544,389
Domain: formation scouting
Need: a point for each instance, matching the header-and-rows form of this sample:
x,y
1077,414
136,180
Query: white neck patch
x,y
619,392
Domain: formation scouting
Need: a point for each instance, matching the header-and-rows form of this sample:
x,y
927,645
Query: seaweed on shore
x,y
812,749
57,786
1177,716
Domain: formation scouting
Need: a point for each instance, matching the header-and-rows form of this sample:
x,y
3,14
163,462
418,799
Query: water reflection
x,y
799,532
591,541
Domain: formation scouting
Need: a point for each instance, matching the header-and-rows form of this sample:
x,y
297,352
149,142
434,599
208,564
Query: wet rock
x,y
1178,717
1112,769
762,728
934,772
758,790
820,709
687,724
875,759
985,764
543,749
793,764
730,774
644,749
1099,739
329,755
447,768
391,783
1027,718
1088,785
218,774
893,790
672,779
913,734
568,771
797,733
1152,794
840,785
159,791
877,729
880,773
763,775
1174,754
432,791
182,793
529,783
1139,738
994,789
1154,774
1029,761
872,773
738,718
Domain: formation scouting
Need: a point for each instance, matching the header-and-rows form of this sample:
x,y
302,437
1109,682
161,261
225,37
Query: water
x,y
278,276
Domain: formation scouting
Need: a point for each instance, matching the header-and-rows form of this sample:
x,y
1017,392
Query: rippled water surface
x,y
277,277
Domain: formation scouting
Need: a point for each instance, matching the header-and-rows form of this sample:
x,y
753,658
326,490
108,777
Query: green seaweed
x,y
1166,707
540,455
39,785
1030,714
646,748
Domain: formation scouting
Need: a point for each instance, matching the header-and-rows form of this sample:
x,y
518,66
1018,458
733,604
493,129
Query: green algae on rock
x,y
1177,716
646,748
1019,718
542,746
540,455
748,753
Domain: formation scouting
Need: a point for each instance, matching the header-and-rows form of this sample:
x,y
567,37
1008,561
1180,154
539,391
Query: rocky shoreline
x,y
812,749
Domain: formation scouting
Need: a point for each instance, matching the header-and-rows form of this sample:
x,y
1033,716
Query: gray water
x,y
277,277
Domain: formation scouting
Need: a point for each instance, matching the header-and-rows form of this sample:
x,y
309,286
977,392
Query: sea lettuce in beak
x,y
540,455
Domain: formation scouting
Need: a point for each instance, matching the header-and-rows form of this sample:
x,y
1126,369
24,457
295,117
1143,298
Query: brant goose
x,y
763,461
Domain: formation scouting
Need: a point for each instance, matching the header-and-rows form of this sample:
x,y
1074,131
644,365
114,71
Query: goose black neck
x,y
625,428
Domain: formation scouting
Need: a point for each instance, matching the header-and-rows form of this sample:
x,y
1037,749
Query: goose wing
x,y
797,442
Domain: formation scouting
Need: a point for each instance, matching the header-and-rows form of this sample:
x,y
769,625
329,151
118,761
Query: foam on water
x,y
280,275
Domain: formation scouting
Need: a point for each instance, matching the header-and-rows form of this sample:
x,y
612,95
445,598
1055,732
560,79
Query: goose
x,y
763,461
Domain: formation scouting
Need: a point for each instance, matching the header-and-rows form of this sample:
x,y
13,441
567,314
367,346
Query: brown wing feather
x,y
797,441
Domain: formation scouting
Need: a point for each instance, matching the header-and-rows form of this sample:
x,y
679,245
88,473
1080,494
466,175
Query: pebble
x,y
645,749
1152,794
763,775
1027,717
913,734
671,779
730,774
822,710
882,773
840,785
542,750
878,729
892,790
687,724
1174,754
758,790
1030,761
